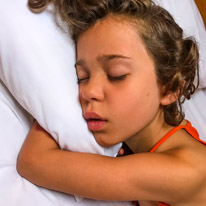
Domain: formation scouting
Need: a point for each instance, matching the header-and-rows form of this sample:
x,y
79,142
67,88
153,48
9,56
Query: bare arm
x,y
134,177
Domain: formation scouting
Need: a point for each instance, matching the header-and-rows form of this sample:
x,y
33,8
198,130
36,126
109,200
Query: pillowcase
x,y
37,66
187,15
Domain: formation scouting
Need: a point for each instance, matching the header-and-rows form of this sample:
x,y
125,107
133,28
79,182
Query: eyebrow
x,y
103,58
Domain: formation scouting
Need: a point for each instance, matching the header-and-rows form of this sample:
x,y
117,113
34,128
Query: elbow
x,y
25,164
21,165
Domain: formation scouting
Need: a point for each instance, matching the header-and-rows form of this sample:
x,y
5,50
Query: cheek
x,y
136,103
123,103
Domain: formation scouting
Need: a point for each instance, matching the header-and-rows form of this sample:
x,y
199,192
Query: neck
x,y
145,140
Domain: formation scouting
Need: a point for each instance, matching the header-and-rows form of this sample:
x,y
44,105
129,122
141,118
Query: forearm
x,y
44,164
73,173
54,169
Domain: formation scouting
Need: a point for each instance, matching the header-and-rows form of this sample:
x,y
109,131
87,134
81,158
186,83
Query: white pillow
x,y
187,15
37,66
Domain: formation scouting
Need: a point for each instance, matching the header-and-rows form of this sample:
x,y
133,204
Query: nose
x,y
93,90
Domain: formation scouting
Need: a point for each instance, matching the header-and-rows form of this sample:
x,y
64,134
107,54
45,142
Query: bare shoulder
x,y
189,171
195,156
187,148
176,173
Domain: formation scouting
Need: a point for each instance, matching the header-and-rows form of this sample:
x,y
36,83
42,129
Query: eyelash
x,y
111,78
117,78
81,80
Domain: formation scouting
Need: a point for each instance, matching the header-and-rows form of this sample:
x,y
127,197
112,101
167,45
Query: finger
x,y
121,152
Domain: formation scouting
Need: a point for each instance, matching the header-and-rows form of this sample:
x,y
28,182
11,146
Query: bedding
x,y
195,111
37,79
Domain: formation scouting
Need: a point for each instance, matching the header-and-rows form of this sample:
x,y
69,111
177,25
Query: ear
x,y
169,97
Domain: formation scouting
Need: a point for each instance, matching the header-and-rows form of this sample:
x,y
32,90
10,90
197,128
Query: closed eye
x,y
116,78
81,80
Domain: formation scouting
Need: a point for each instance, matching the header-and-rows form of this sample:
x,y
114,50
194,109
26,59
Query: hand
x,y
121,152
124,150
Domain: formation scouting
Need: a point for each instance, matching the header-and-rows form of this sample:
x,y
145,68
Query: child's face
x,y
118,90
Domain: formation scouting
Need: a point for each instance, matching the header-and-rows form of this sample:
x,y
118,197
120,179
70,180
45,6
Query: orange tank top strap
x,y
188,127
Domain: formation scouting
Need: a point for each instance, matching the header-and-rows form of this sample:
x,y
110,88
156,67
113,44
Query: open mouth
x,y
95,124
94,121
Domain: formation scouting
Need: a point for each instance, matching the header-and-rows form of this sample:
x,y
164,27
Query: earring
x,y
37,6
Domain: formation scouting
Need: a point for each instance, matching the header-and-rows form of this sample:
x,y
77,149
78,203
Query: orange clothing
x,y
188,128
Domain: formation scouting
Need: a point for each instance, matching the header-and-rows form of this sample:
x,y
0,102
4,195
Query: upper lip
x,y
92,115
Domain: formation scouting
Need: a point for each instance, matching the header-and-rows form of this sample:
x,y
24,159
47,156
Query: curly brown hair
x,y
176,58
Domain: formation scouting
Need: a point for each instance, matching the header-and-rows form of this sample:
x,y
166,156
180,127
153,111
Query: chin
x,y
105,141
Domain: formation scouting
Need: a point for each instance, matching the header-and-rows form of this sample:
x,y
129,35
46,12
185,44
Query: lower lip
x,y
96,125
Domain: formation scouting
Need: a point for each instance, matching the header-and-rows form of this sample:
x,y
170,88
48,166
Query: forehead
x,y
112,35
